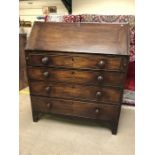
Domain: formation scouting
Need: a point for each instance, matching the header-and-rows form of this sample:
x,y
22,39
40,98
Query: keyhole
x,y
73,86
72,59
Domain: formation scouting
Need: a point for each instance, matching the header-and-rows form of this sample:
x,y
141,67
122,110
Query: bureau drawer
x,y
76,76
75,108
83,61
70,91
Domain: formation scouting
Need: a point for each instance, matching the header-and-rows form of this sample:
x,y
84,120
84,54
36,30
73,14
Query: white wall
x,y
104,7
29,12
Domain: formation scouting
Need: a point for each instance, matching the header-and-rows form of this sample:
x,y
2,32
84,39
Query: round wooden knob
x,y
45,60
46,74
47,89
48,105
97,110
101,63
100,78
99,94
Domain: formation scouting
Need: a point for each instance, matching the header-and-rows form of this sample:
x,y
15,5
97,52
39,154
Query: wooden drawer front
x,y
79,61
50,60
75,76
105,94
75,108
98,62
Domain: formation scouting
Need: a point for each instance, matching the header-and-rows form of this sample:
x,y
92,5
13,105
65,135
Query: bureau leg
x,y
114,128
35,116
114,131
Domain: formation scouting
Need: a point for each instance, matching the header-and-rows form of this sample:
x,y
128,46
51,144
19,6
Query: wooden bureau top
x,y
80,37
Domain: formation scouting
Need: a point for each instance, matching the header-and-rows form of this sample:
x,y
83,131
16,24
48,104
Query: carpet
x,y
54,135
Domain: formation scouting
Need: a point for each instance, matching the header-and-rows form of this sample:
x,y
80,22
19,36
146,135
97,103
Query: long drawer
x,y
75,108
83,61
99,94
98,78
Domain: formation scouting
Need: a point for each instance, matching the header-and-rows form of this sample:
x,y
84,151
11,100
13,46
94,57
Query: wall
x,y
29,10
104,7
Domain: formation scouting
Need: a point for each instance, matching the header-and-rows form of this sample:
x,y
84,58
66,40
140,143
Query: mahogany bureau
x,y
78,69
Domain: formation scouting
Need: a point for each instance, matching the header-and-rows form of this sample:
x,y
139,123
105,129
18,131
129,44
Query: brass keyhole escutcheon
x,y
48,89
100,78
99,94
46,74
45,60
101,63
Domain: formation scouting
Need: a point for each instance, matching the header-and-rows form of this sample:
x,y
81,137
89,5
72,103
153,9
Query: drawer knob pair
x,y
45,60
101,63
99,94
